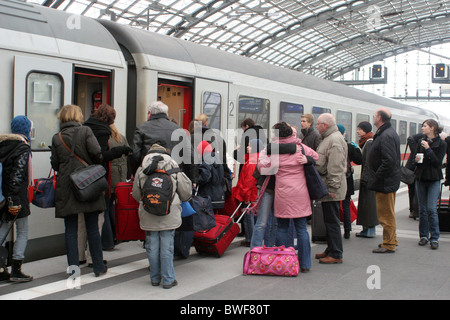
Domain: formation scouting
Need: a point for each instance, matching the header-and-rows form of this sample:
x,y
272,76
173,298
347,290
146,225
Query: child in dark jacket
x,y
211,176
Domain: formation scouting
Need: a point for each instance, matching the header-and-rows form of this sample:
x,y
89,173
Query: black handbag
x,y
88,183
44,191
406,175
204,218
316,188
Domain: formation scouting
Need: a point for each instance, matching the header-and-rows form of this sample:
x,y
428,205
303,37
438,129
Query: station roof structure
x,y
326,38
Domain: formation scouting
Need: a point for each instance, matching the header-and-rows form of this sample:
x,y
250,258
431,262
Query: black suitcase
x,y
443,209
318,230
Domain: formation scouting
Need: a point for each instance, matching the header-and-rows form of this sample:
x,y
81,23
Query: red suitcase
x,y
218,239
127,215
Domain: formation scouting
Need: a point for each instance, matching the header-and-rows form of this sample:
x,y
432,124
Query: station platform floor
x,y
412,273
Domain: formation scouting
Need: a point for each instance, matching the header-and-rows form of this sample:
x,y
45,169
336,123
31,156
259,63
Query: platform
x,y
413,272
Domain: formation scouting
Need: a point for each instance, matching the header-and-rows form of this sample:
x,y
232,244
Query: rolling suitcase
x,y
318,230
216,240
127,214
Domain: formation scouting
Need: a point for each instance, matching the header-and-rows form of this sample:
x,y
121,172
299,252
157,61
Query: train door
x,y
91,89
41,87
178,97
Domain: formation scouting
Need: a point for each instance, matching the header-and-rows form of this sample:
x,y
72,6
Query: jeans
x,y
265,209
94,240
109,225
159,246
21,239
249,223
333,228
428,195
304,246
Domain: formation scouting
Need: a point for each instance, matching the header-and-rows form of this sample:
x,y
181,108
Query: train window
x,y
44,98
212,104
345,118
254,108
412,128
291,113
402,131
362,117
394,124
317,111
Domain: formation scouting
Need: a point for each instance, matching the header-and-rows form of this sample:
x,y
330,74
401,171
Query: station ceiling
x,y
325,38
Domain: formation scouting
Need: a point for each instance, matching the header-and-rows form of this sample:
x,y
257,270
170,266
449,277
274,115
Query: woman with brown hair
x,y
67,206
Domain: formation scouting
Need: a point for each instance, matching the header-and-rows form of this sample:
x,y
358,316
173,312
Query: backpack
x,y
2,197
157,192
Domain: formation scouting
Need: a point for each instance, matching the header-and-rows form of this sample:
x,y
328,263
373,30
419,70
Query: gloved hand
x,y
119,151
446,183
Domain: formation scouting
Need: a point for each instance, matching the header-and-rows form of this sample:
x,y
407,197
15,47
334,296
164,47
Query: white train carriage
x,y
50,58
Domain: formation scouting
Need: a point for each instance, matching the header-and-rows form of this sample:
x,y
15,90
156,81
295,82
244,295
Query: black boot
x,y
16,272
4,274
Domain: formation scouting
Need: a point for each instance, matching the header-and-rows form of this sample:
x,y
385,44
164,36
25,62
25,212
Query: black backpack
x,y
158,188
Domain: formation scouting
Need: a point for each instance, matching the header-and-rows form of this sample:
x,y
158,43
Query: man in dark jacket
x,y
309,134
159,129
15,155
384,177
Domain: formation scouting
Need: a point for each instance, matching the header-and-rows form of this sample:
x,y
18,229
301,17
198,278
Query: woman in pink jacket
x,y
291,193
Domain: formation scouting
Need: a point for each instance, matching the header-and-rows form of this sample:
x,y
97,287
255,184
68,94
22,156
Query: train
x,y
49,58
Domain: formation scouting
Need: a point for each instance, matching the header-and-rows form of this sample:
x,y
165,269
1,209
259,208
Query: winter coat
x,y
88,149
211,177
159,129
246,189
182,191
431,168
332,163
310,137
367,202
14,155
384,161
291,192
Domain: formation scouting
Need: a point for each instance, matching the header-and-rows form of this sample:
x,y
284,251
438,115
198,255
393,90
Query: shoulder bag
x,y
88,183
406,175
316,188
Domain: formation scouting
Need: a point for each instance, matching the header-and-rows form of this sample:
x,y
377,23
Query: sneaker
x,y
423,241
434,245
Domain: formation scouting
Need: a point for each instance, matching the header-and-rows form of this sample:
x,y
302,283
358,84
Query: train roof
x,y
139,41
37,28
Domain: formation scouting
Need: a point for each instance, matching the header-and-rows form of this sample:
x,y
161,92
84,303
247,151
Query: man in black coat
x,y
159,129
384,176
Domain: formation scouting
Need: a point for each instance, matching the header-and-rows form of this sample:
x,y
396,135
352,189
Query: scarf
x,y
364,138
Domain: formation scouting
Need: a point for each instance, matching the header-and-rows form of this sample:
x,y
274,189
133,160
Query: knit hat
x,y
204,147
21,125
365,126
341,128
256,145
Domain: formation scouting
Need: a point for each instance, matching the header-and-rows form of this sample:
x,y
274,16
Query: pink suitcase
x,y
273,261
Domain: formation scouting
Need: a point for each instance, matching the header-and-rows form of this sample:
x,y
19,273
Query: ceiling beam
x,y
308,23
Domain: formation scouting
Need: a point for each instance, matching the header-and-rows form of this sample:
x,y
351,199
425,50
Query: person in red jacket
x,y
246,190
